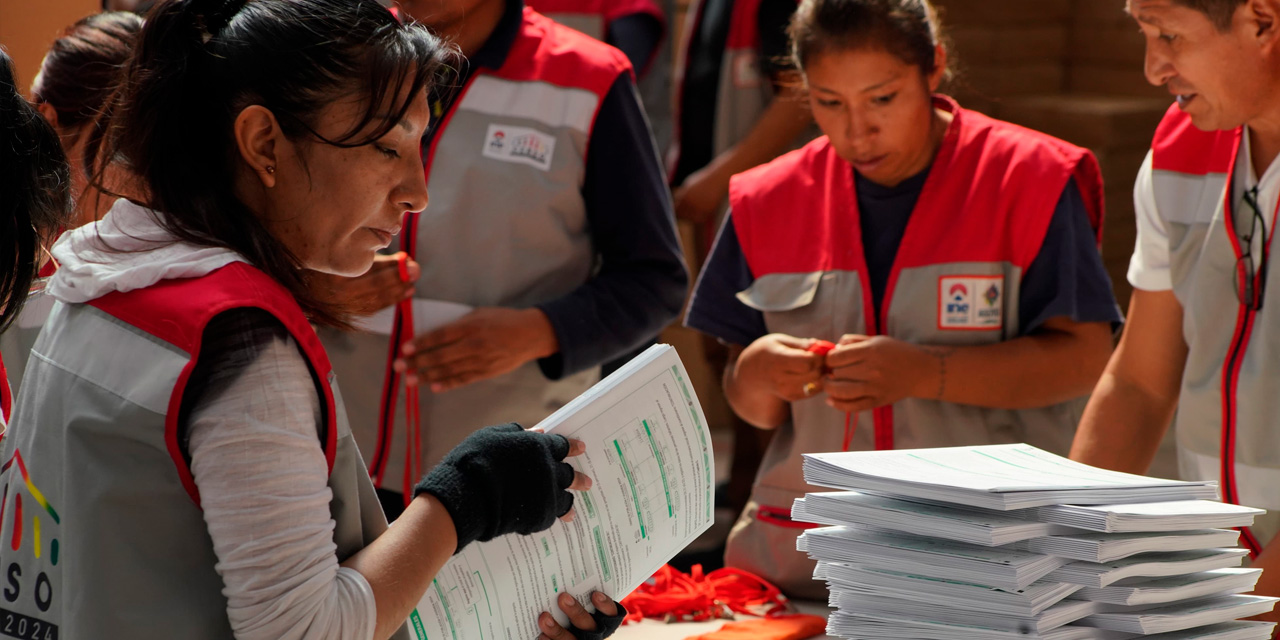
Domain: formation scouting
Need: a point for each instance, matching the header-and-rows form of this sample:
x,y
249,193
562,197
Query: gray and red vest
x,y
6,397
979,223
103,535
506,227
1228,418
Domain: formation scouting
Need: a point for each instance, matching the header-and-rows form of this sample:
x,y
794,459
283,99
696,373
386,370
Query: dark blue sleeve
x,y
1067,278
641,279
637,36
715,308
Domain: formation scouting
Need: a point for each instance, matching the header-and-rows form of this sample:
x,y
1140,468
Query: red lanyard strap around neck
x,y
413,426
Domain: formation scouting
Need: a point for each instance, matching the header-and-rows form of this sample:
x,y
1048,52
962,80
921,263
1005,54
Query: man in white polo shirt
x,y
1202,340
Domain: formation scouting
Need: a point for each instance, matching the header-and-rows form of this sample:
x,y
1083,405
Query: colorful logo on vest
x,y
959,306
23,522
520,145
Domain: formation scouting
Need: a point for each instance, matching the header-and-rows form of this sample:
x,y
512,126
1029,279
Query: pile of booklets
x,y
1008,541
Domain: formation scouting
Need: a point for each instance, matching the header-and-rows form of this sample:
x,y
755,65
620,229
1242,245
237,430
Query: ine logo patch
x,y
519,144
971,302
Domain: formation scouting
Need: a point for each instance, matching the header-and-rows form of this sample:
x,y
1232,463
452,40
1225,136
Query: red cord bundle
x,y
413,429
677,597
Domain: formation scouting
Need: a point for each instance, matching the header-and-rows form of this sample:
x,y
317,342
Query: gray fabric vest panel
x,y
1202,265
17,340
497,233
133,559
828,305
590,24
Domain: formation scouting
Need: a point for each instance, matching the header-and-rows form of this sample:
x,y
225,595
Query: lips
x,y
864,165
1184,99
384,235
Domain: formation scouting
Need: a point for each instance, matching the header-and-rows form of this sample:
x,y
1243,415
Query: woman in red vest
x,y
952,257
35,181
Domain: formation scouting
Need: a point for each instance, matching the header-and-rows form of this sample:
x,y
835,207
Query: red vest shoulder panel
x,y
547,51
177,312
1180,147
989,197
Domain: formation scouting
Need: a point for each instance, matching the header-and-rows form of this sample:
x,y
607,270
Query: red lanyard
x,y
412,426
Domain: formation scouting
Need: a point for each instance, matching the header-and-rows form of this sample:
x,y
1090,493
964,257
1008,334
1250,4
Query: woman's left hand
x,y
586,625
873,371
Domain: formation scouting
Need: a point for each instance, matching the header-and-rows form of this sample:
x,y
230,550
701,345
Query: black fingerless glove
x,y
502,480
605,625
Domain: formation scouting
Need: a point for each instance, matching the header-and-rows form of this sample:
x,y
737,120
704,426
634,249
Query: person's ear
x,y
50,114
259,138
939,68
1264,18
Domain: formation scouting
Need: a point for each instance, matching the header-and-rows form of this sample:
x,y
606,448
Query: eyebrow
x,y
867,90
402,123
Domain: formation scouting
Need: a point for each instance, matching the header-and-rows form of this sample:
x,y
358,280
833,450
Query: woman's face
x,y
876,109
335,207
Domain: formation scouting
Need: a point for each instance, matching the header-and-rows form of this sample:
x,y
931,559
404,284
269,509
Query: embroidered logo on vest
x,y
520,145
971,302
41,535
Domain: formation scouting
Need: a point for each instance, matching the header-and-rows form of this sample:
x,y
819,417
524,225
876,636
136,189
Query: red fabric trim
x,y
780,517
1005,181
546,51
6,395
1179,146
177,311
744,27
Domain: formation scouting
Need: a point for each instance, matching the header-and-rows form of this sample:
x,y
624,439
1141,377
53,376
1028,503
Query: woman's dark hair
x,y
199,63
83,69
908,29
35,191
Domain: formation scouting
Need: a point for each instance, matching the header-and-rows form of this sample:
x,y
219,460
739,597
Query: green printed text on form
x,y
635,496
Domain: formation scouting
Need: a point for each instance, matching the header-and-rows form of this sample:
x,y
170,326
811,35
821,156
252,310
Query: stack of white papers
x,y
1009,541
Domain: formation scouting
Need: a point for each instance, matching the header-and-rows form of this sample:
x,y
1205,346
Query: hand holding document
x,y
649,456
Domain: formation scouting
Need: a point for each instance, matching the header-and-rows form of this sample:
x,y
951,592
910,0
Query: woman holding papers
x,y
179,463
35,181
952,257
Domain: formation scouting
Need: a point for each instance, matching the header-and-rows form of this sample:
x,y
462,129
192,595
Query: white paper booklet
x,y
1095,574
1105,547
1002,477
1179,515
1182,615
1026,603
1236,630
871,627
1051,618
974,526
1133,591
1007,569
649,456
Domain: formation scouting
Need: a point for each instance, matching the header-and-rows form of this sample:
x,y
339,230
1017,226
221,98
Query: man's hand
x,y
374,291
483,344
870,372
779,364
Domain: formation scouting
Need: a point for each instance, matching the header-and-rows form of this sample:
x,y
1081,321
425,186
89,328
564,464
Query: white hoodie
x,y
126,250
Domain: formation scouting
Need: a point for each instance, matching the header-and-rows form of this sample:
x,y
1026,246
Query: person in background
x,y
635,27
1203,327
951,257
550,233
180,445
36,183
71,91
737,106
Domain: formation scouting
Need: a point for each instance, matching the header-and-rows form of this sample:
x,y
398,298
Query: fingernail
x,y
547,622
399,366
437,388
407,348
411,380
600,598
566,599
